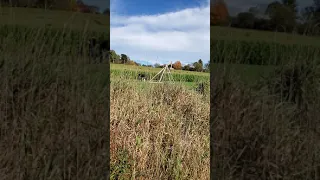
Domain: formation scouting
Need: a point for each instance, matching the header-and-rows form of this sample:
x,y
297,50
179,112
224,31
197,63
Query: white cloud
x,y
183,35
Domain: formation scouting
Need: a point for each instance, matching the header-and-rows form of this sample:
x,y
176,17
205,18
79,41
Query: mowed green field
x,y
154,70
228,33
236,46
188,78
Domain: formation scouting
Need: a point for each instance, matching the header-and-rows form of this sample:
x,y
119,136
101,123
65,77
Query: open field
x,y
227,33
265,128
254,53
131,72
168,125
52,115
54,108
154,70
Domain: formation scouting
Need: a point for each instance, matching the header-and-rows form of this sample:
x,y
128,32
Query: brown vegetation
x,y
177,65
53,112
260,133
158,132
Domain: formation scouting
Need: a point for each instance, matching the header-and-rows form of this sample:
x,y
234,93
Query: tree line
x,y
281,16
67,5
125,59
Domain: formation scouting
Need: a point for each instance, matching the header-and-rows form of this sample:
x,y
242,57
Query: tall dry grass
x,y
269,129
158,132
53,114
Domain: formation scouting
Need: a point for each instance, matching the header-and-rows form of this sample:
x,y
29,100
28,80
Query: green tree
x,y
291,4
207,67
254,10
200,62
245,20
186,67
312,13
282,17
114,57
198,66
124,58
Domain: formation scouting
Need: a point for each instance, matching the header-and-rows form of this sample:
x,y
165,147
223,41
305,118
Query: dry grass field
x,y
53,116
269,128
160,131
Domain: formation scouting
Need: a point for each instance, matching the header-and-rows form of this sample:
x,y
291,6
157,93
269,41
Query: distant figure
x,y
142,77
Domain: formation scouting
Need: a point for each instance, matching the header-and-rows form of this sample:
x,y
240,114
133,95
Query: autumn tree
x,y
177,65
131,62
73,5
219,14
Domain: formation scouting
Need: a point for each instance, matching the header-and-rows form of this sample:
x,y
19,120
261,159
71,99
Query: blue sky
x,y
147,7
160,31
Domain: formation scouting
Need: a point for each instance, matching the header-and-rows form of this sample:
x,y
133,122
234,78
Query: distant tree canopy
x,y
124,59
207,67
312,13
114,57
177,65
186,67
245,20
198,66
157,65
68,5
280,15
219,14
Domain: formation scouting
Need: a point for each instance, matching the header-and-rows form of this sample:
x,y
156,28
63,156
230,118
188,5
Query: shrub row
x,y
260,53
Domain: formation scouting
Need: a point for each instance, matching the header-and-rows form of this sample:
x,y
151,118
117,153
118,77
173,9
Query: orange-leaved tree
x,y
219,14
73,5
177,65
